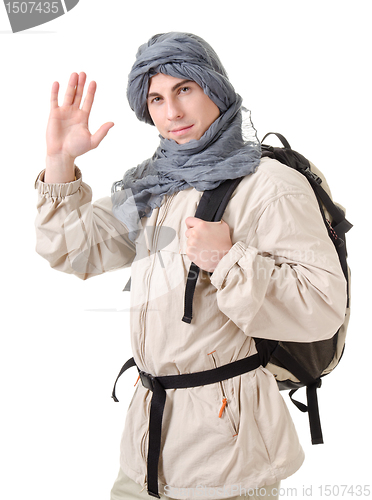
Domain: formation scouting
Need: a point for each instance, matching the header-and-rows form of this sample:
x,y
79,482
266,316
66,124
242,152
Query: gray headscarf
x,y
227,150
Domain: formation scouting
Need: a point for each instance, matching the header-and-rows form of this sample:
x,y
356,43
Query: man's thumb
x,y
190,221
101,133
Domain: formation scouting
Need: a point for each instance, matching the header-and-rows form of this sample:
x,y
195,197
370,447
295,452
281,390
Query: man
x,y
275,273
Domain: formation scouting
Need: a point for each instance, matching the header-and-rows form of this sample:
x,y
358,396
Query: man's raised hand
x,y
68,135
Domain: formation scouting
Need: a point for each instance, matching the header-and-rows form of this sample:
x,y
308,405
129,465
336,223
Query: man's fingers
x,y
80,89
54,96
101,133
191,221
71,90
196,226
89,98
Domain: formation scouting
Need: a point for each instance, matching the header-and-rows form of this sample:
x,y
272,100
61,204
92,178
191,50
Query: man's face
x,y
179,108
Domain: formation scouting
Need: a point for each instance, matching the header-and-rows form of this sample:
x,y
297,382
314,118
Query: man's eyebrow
x,y
180,84
175,87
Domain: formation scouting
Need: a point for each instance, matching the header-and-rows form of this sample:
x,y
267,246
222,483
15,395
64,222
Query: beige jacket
x,y
280,280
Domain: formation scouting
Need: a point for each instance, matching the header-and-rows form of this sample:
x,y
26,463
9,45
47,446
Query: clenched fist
x,y
207,242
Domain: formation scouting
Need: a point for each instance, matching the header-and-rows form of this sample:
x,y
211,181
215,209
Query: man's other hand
x,y
207,242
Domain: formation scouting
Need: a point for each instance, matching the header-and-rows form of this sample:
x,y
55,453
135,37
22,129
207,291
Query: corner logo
x,y
25,14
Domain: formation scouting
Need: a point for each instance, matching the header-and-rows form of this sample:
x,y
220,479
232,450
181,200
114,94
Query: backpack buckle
x,y
147,380
309,174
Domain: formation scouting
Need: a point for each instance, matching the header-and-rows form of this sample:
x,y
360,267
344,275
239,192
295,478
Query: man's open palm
x,y
67,131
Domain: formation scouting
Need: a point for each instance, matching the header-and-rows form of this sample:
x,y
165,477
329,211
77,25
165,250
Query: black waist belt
x,y
158,385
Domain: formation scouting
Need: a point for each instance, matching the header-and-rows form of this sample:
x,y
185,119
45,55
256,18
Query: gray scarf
x,y
227,150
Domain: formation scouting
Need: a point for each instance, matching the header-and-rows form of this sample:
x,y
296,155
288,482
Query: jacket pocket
x,y
225,398
144,444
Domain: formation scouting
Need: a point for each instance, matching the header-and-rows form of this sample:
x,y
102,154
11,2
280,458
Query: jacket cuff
x,y
58,190
237,252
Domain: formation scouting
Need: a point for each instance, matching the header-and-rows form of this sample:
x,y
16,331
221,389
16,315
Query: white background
x,y
303,69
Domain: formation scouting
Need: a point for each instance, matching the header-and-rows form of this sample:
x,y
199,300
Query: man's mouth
x,y
181,130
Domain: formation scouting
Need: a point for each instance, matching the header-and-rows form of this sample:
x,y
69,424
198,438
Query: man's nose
x,y
174,110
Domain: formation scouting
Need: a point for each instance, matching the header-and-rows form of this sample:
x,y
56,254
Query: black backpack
x,y
293,364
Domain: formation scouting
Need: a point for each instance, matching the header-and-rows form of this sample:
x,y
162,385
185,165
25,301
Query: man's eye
x,y
184,89
156,99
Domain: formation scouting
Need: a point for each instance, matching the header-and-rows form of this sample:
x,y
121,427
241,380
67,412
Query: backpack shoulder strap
x,y
214,201
211,208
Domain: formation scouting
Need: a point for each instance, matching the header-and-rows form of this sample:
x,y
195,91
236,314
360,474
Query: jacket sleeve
x,y
286,283
77,236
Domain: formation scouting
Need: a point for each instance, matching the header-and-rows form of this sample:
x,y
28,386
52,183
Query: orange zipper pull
x,y
224,402
137,381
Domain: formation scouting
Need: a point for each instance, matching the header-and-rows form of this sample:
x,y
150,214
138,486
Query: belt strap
x,y
158,385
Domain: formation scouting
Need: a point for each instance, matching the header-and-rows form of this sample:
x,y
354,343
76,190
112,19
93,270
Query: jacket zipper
x,y
154,256
225,401
144,443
